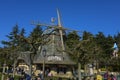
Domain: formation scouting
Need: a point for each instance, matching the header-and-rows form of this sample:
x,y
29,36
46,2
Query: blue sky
x,y
90,15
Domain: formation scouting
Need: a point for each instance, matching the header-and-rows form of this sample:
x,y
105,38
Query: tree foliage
x,y
85,48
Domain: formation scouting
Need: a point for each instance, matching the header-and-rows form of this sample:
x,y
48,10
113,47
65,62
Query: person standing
x,y
99,77
106,76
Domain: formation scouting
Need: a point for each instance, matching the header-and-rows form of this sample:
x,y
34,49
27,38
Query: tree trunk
x,y
30,73
3,72
14,68
44,69
85,69
97,66
79,71
30,65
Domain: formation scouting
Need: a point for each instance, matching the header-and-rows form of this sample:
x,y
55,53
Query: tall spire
x,y
59,18
60,30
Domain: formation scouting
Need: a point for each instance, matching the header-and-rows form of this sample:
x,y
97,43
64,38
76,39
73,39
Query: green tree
x,y
83,51
14,43
86,35
23,46
32,42
35,38
12,38
5,59
72,40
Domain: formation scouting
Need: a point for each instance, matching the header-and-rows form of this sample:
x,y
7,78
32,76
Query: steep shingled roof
x,y
54,53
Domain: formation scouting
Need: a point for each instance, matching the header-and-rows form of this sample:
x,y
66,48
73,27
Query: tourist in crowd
x,y
105,76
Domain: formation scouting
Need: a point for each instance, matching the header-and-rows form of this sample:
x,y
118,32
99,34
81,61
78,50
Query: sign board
x,y
54,58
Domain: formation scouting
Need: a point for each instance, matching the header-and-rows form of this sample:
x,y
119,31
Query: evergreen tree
x,y
86,35
72,40
12,38
35,38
